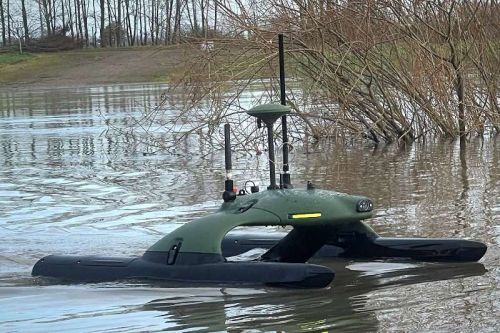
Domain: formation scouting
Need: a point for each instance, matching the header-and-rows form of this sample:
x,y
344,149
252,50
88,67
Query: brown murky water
x,y
67,188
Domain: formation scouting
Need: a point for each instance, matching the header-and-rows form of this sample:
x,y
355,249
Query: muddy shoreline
x,y
92,67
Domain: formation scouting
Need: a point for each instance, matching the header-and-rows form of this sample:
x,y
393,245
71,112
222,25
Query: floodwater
x,y
67,186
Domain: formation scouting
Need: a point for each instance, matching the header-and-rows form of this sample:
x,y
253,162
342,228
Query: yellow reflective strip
x,y
305,216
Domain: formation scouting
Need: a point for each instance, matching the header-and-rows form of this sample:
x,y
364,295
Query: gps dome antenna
x,y
268,114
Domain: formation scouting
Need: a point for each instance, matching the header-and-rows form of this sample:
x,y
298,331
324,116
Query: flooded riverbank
x,y
66,187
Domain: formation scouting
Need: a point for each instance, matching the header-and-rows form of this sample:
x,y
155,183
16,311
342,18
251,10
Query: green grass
x,y
13,58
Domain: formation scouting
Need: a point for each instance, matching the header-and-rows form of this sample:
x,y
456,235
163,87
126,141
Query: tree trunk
x,y
195,18
94,29
2,18
46,15
216,10
71,25
459,86
79,18
9,27
63,17
25,21
110,32
119,24
128,23
157,22
203,21
151,22
101,3
140,22
145,37
42,28
459,89
177,21
85,16
134,33
168,33
53,15
207,26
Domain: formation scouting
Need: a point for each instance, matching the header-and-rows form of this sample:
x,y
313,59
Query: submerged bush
x,y
386,71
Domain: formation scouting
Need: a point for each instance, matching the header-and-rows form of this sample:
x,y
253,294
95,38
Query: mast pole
x,y
286,168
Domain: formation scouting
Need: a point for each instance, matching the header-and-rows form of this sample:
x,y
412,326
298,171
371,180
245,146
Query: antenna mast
x,y
286,167
228,194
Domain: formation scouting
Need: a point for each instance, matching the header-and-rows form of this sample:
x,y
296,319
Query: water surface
x,y
68,186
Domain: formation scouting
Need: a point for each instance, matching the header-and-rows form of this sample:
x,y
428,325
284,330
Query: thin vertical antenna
x,y
284,129
228,184
227,150
229,194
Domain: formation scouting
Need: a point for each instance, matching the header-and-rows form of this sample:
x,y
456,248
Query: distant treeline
x,y
102,23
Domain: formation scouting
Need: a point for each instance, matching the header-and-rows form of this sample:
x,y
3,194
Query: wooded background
x,y
383,70
108,22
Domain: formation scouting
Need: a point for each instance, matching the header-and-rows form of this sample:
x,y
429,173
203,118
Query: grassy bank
x,y
89,66
13,58
24,68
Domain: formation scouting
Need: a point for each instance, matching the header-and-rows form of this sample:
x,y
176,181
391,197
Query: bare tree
x,y
71,23
85,14
119,23
25,21
102,27
128,24
168,28
383,70
9,24
2,19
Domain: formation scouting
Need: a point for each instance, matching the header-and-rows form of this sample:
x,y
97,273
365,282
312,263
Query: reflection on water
x,y
68,187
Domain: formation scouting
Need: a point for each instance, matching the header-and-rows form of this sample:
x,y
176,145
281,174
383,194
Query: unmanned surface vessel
x,y
324,223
